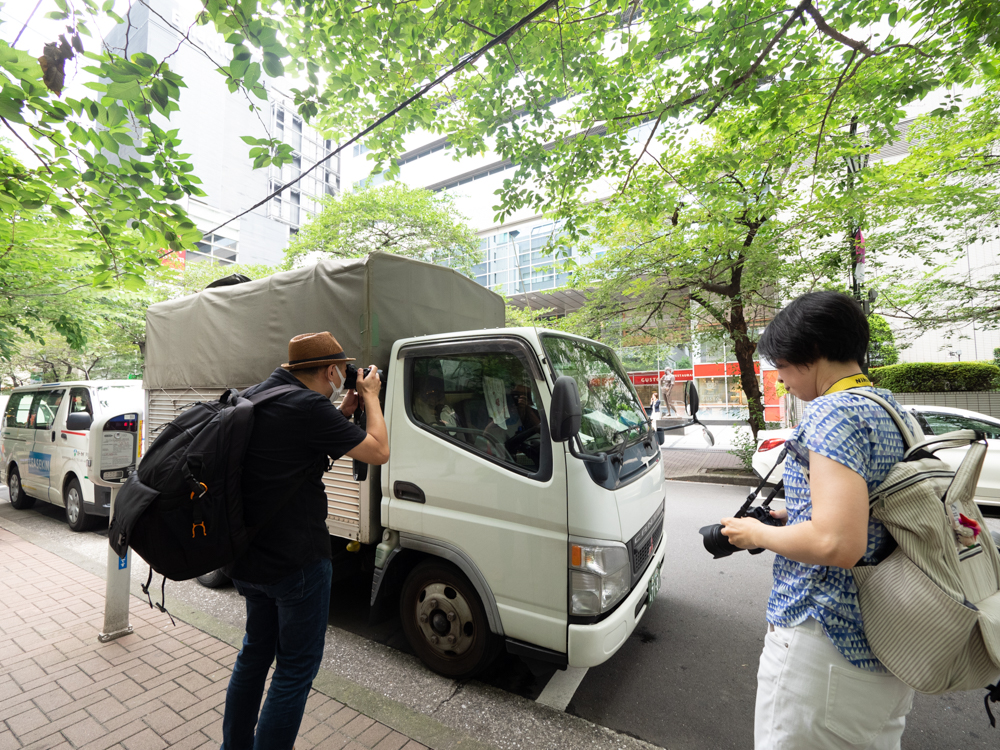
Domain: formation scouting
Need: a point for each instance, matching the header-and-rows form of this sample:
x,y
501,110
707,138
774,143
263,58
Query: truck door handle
x,y
63,436
53,436
408,491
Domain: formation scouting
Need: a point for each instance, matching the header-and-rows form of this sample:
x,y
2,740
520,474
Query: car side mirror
x,y
691,400
79,421
566,411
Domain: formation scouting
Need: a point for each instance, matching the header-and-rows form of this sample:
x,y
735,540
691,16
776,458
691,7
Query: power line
x,y
26,22
462,63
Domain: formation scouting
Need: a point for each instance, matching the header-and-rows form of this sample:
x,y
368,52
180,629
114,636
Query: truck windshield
x,y
612,414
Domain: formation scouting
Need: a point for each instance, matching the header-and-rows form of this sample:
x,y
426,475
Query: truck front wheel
x,y
445,622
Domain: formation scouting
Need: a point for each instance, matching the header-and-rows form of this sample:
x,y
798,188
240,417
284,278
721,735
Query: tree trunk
x,y
745,349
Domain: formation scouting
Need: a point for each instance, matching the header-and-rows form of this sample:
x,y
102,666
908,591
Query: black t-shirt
x,y
292,436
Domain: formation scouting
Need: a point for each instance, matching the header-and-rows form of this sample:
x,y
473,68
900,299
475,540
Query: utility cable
x,y
462,63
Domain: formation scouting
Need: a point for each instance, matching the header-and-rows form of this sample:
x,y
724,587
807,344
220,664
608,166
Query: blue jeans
x,y
285,620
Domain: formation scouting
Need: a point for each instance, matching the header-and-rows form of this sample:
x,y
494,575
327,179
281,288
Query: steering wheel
x,y
515,442
497,445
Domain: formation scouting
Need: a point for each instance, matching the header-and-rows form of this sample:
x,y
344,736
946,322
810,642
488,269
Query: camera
x,y
719,545
351,380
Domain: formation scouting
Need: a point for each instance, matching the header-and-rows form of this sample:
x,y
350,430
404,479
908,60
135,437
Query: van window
x,y
118,398
79,402
18,409
44,408
485,403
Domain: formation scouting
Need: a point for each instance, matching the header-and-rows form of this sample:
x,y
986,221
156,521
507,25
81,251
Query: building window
x,y
214,248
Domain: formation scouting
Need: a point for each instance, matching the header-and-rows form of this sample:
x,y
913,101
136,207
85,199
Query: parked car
x,y
44,442
934,420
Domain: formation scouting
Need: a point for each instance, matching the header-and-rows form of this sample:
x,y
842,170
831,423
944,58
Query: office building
x,y
211,121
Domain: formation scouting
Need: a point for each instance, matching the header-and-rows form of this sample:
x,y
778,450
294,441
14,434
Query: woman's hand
x,y
741,531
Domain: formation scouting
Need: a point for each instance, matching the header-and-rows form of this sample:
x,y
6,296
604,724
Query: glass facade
x,y
214,248
299,203
516,262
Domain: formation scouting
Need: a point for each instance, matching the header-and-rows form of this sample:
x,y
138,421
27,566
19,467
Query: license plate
x,y
654,584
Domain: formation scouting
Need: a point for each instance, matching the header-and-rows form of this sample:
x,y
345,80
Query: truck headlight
x,y
599,576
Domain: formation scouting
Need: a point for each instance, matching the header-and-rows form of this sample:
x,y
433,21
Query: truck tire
x,y
18,499
445,622
76,517
214,580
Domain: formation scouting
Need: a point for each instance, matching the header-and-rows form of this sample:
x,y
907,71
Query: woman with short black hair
x,y
819,685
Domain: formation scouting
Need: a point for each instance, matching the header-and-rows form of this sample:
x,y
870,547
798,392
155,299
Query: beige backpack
x,y
931,608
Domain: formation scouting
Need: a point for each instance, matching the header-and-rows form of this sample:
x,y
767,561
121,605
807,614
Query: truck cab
x,y
507,529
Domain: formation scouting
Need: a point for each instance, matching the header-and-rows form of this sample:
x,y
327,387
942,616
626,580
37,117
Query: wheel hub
x,y
72,505
445,619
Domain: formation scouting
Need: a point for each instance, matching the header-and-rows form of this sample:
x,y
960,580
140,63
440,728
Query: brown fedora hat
x,y
314,350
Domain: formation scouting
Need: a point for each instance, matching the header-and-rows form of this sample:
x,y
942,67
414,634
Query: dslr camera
x,y
718,544
351,380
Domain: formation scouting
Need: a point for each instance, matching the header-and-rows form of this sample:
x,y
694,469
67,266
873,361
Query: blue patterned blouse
x,y
859,434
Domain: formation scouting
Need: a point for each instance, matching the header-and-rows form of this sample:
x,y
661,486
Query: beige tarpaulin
x,y
235,336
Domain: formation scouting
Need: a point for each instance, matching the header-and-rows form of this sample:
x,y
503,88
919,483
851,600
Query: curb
x,y
739,480
417,726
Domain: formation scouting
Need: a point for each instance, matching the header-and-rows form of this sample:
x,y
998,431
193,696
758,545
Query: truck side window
x,y
484,402
79,402
44,408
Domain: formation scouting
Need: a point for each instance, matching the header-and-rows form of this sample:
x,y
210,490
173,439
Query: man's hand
x,y
369,387
350,403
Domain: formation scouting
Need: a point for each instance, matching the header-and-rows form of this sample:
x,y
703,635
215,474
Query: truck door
x,y
44,408
472,465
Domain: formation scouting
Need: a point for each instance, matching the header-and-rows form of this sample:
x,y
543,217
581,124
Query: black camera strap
x,y
774,492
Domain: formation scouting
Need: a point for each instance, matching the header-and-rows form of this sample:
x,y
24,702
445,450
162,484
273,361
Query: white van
x,y
44,436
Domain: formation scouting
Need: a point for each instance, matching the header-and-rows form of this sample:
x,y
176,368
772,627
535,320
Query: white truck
x,y
523,501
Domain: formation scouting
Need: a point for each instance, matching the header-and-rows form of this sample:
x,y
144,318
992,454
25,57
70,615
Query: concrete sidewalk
x,y
161,686
712,466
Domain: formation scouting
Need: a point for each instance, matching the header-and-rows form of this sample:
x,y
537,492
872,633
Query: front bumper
x,y
590,645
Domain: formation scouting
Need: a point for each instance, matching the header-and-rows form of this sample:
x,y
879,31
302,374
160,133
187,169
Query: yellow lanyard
x,y
851,381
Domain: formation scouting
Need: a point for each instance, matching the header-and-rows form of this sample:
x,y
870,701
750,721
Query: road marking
x,y
562,687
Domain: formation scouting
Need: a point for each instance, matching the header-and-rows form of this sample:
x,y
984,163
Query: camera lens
x,y
351,378
716,542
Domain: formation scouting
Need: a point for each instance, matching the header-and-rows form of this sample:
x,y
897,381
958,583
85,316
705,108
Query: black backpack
x,y
182,510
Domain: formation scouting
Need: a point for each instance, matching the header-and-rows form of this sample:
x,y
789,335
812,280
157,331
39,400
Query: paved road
x,y
685,680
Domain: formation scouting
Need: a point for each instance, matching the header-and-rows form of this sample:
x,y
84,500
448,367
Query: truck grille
x,y
645,543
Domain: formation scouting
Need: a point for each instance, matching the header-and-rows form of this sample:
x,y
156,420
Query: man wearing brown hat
x,y
285,574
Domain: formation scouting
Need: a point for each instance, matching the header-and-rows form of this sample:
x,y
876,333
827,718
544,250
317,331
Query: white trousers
x,y
809,697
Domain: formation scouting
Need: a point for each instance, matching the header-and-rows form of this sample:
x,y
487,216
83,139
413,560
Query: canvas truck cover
x,y
234,336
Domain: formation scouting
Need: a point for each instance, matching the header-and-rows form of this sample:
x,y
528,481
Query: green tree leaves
x,y
394,219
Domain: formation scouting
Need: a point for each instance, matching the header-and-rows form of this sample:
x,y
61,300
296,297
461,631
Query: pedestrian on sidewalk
x,y
286,572
819,686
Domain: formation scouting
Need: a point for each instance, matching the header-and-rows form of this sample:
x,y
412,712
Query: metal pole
x,y
117,590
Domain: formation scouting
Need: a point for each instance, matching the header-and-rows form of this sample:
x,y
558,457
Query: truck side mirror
x,y
566,412
691,400
79,421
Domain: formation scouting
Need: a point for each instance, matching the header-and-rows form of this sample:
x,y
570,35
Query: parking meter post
x,y
117,591
113,455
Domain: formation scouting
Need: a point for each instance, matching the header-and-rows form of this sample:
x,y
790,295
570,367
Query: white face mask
x,y
338,390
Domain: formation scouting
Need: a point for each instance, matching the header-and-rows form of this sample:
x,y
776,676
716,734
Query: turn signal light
x,y
769,444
